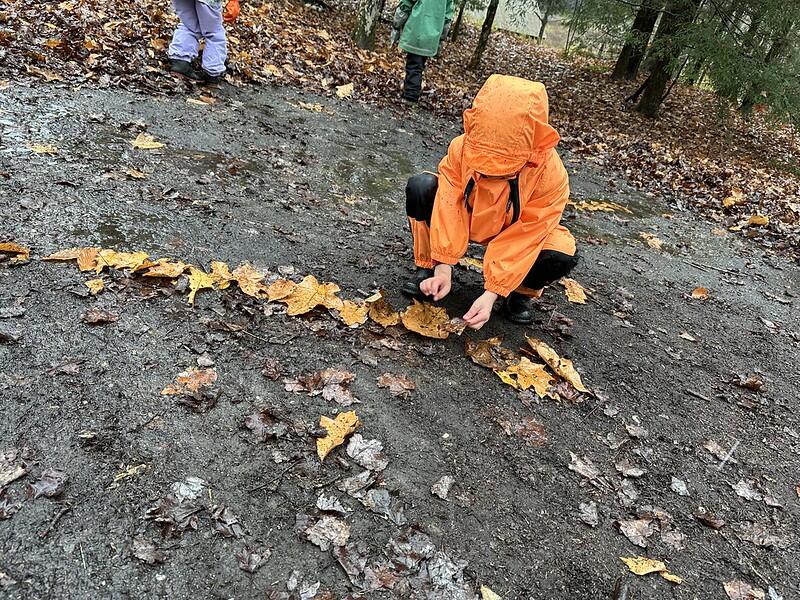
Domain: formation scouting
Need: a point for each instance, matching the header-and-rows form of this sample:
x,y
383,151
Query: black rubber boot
x,y
518,309
210,79
184,68
411,287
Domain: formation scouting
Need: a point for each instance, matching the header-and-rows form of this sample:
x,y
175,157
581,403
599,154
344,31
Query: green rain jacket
x,y
423,30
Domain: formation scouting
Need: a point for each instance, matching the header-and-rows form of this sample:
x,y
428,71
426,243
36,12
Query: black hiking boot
x,y
517,309
208,78
183,68
411,287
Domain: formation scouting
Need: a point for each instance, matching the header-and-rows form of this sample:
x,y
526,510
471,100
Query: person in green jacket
x,y
424,25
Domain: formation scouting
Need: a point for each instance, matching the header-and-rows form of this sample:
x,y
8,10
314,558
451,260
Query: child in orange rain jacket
x,y
502,185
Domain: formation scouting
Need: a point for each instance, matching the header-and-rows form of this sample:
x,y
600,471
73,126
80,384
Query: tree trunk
x,y
573,25
632,54
780,44
486,29
368,15
544,19
459,19
677,14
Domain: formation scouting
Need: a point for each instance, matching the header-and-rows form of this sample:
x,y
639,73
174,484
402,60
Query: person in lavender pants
x,y
200,19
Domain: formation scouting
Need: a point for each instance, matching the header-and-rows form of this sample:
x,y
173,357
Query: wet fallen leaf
x,y
51,484
86,257
331,504
251,557
561,366
265,425
735,198
308,294
600,206
98,316
442,487
639,565
338,429
758,220
753,383
574,290
747,490
583,466
191,382
625,467
651,240
95,286
198,280
164,267
636,431
759,535
398,385
134,173
490,353
709,520
221,275
47,149
426,319
637,530
146,142
588,513
353,314
326,531
739,590
21,253
120,260
225,522
472,264
344,91
147,552
718,451
127,473
249,279
456,325
526,374
367,453
488,594
380,502
12,467
382,312
679,487
700,293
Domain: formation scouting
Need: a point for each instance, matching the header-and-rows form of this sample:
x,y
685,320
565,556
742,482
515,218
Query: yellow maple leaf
x,y
759,220
426,319
221,274
338,429
21,253
353,314
198,280
95,286
120,260
488,594
310,293
639,565
526,374
86,257
735,197
249,280
574,290
651,240
382,312
47,149
146,142
191,381
164,267
600,206
561,366
280,289
700,293
344,91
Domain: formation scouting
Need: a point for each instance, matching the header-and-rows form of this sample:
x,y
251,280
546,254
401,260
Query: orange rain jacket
x,y
506,135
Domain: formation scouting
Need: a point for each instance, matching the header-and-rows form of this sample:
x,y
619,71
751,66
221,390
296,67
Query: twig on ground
x,y
275,480
698,395
728,456
64,510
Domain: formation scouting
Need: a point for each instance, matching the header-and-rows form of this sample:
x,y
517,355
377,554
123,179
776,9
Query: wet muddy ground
x,y
259,176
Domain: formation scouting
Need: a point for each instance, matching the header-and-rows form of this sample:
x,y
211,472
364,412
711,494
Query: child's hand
x,y
480,311
439,285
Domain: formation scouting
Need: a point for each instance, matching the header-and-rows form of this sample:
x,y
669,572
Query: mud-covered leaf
x,y
560,366
637,530
380,501
760,535
442,487
426,319
95,286
588,513
718,451
265,425
709,520
367,453
146,142
51,484
490,353
190,488
325,531
583,466
679,487
252,557
357,485
740,590
330,503
147,552
353,559
99,316
574,290
338,429
627,469
398,385
191,381
225,522
651,240
18,252
12,467
747,490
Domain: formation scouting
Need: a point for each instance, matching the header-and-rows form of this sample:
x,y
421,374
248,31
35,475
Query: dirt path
x,y
257,177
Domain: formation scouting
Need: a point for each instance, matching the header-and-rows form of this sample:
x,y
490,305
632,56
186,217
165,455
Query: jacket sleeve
x,y
406,5
450,219
510,256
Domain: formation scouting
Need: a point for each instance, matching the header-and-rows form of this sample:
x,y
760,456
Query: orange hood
x,y
507,127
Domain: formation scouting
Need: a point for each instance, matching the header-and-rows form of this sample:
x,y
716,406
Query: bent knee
x,y
420,194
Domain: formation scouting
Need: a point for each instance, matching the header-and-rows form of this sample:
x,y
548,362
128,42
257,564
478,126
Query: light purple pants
x,y
199,21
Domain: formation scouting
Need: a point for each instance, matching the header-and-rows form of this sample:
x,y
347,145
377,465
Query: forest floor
x,y
687,392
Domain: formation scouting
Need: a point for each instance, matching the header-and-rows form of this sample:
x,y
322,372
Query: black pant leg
x,y
412,88
550,266
420,194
